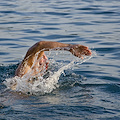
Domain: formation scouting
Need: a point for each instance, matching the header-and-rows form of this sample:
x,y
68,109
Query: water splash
x,y
41,84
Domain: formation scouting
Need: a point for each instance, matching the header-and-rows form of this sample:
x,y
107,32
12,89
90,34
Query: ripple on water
x,y
4,53
112,88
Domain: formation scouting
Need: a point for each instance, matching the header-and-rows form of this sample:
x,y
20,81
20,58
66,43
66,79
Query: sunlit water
x,y
71,88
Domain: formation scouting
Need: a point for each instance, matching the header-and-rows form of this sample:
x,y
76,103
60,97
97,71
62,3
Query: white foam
x,y
39,86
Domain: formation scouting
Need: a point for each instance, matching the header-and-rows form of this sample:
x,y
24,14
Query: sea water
x,y
87,90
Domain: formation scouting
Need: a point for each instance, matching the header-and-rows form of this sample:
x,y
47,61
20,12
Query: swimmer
x,y
29,64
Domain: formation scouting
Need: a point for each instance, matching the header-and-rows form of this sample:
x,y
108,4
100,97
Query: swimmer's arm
x,y
77,49
45,46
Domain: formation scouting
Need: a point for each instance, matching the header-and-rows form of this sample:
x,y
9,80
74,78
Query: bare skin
x,y
27,64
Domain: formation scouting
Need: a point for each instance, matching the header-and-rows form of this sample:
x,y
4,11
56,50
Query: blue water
x,y
87,91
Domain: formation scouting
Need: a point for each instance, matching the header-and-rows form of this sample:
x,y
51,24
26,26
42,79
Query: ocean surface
x,y
87,89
